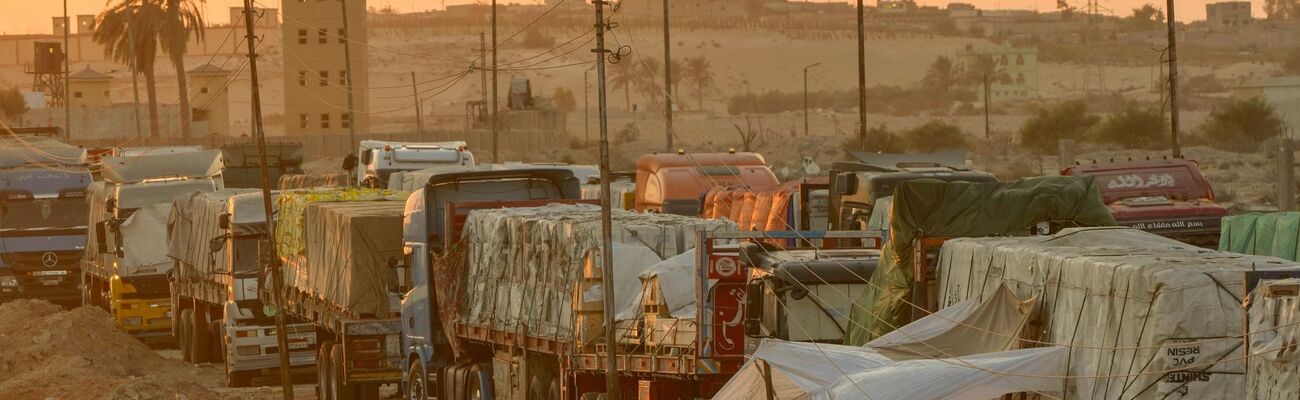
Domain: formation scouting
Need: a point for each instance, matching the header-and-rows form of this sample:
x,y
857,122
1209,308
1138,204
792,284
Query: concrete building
x,y
59,23
209,98
1019,64
1228,14
315,73
265,18
89,88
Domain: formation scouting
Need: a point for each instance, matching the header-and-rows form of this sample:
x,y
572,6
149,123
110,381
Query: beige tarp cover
x,y
968,327
348,245
291,210
145,244
826,371
523,263
306,181
192,224
1174,313
1274,370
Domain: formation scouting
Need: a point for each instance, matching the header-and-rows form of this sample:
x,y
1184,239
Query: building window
x,y
343,77
1003,60
76,95
1020,79
324,121
302,36
106,92
324,78
203,90
341,36
1020,59
324,36
302,78
303,121
345,120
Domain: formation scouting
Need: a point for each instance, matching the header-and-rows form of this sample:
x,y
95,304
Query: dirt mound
x,y
46,352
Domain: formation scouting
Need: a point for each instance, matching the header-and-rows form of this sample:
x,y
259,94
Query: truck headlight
x,y
131,321
9,281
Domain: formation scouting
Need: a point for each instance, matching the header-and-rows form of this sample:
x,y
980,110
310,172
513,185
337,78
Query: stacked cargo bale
x,y
1273,371
193,223
1145,317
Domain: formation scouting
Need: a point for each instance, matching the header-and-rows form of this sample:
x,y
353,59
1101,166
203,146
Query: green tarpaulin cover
x,y
932,208
1271,234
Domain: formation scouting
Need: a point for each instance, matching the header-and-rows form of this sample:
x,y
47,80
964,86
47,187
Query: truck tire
x,y
342,390
592,396
553,390
417,386
324,374
216,342
238,379
200,348
536,388
474,391
186,317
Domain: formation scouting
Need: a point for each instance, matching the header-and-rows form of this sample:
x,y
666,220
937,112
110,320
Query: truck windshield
x,y
245,254
66,212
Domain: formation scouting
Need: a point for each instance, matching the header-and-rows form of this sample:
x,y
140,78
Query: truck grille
x,y
38,260
149,286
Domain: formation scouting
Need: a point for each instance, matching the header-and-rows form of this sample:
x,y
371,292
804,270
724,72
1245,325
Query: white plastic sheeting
x,y
630,261
523,263
676,277
825,371
145,242
1274,367
1145,318
966,328
193,165
194,221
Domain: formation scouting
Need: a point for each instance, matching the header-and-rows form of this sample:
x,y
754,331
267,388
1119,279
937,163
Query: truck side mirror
x,y
101,237
110,205
223,221
365,158
393,263
754,310
216,244
845,184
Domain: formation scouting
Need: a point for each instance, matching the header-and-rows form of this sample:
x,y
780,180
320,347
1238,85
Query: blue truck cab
x,y
431,224
42,219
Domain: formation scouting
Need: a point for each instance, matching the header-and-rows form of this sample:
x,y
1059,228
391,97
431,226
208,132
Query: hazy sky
x,y
33,16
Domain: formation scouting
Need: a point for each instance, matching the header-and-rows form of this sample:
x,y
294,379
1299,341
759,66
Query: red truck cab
x,y
1165,197
675,183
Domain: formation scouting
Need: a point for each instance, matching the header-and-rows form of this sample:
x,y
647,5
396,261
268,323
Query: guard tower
x,y
47,73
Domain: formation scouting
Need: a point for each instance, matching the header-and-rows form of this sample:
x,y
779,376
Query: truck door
x,y
416,304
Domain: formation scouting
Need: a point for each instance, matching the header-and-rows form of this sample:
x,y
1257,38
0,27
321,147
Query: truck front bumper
x,y
62,289
252,348
144,318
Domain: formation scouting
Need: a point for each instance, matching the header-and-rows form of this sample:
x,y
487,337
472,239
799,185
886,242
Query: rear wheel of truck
x,y
187,316
200,348
474,391
341,390
323,372
417,382
592,396
216,342
553,391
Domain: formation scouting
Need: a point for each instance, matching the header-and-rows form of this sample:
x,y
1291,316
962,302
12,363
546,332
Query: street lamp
x,y
805,97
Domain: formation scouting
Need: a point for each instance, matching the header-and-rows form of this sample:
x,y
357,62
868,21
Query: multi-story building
x,y
315,73
210,98
1227,14
1018,67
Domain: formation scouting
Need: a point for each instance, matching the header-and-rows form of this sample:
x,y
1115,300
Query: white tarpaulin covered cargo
x,y
194,221
347,249
145,244
1144,318
1274,370
968,327
826,371
523,263
198,164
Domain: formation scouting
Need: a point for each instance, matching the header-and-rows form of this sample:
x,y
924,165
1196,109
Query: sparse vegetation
x,y
1241,125
934,136
12,104
1068,120
881,140
564,99
537,40
629,134
1137,126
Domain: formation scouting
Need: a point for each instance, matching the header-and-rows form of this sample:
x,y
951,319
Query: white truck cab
x,y
379,159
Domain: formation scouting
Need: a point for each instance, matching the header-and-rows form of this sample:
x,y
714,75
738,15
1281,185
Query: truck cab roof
x,y
1177,180
424,217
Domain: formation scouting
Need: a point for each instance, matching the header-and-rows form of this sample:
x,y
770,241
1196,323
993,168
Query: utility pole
x,y
1286,175
862,77
586,107
988,102
482,72
67,105
135,77
496,156
668,84
271,261
606,223
1173,81
347,58
419,113
805,97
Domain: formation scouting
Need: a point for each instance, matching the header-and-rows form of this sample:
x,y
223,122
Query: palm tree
x,y
941,76
675,66
622,76
986,69
129,30
647,79
697,72
180,19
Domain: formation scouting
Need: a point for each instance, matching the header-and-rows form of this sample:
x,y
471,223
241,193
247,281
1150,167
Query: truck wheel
x,y
536,388
323,372
417,381
553,391
592,396
216,342
199,338
474,391
238,379
186,337
342,390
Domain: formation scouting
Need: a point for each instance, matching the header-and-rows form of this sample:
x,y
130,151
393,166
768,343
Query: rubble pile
x,y
46,352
